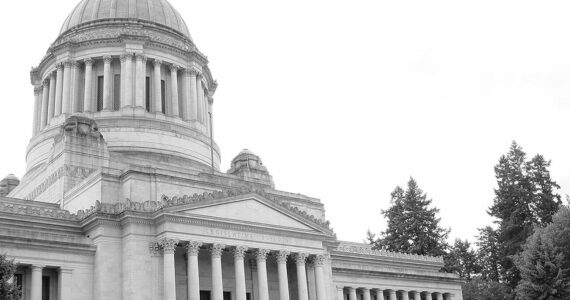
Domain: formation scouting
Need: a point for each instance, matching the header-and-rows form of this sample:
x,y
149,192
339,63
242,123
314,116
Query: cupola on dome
x,y
158,12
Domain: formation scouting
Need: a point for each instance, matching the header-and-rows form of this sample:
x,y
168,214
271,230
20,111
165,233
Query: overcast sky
x,y
345,100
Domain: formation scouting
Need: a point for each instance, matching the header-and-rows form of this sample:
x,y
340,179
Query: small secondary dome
x,y
154,11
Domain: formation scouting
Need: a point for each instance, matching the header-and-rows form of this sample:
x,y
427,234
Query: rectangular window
x,y
247,296
163,95
227,296
19,280
45,288
204,295
147,94
99,93
117,92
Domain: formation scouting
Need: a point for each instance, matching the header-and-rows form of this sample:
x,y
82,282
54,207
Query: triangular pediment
x,y
249,210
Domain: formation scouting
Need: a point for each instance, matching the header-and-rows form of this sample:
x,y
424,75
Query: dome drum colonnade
x,y
390,294
60,90
167,247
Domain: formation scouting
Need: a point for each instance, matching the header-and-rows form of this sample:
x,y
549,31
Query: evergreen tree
x,y
545,262
524,197
8,291
488,254
412,224
462,260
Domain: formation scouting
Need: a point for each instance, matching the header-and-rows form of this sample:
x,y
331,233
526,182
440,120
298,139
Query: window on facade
x,y
19,281
163,95
227,296
100,93
204,295
117,92
45,287
147,94
248,296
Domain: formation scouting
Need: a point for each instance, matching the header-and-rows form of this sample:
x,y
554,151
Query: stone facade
x,y
123,197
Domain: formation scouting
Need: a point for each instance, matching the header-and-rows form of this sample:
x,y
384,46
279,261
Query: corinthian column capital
x,y
168,245
239,252
154,248
261,254
37,89
192,248
45,83
59,66
301,258
216,250
126,56
320,260
282,256
107,59
174,68
157,62
88,61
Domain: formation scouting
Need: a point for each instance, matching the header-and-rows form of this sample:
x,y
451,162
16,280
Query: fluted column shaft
x,y
175,111
261,258
87,98
66,96
239,253
393,295
157,86
184,95
217,279
74,90
320,261
282,272
351,293
168,248
45,102
107,82
51,102
192,250
404,295
36,285
128,93
140,87
58,90
200,92
300,259
193,96
366,293
37,109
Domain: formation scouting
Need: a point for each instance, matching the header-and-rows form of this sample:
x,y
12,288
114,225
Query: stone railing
x,y
359,248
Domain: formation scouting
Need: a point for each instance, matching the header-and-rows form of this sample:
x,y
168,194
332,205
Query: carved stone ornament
x,y
45,83
88,61
301,258
192,248
216,250
37,90
59,67
168,245
157,62
239,252
261,254
107,59
282,256
320,260
174,68
154,248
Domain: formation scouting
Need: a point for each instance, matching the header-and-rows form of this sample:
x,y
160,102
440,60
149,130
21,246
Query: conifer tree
x,y
8,291
524,197
462,260
488,254
413,226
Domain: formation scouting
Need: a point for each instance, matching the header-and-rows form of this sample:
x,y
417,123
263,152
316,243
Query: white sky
x,y
344,100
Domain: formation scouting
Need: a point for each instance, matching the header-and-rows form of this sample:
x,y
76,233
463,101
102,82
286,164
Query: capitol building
x,y
124,197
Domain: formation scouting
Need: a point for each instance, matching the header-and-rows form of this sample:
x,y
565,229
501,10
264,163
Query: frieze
x,y
66,170
367,250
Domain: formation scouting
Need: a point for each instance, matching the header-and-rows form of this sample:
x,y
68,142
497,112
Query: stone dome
x,y
157,12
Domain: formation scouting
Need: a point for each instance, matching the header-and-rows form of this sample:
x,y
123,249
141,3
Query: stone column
x,y
379,294
140,87
75,87
300,259
417,295
65,282
193,96
282,272
175,111
404,295
51,104
155,255
351,293
107,82
157,86
320,261
45,101
58,90
66,96
366,293
128,93
393,295
261,258
87,96
439,296
37,109
340,293
168,248
36,291
239,253
200,93
192,250
184,99
447,296
217,279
